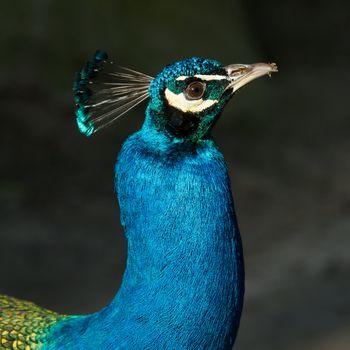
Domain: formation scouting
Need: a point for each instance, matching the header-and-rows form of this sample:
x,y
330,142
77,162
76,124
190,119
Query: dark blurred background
x,y
286,140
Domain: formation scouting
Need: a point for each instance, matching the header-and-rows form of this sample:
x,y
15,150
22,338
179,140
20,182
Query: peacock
x,y
183,285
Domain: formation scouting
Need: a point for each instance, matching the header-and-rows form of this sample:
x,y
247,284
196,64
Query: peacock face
x,y
187,97
191,86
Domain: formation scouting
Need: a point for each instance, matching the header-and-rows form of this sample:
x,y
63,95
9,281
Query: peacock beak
x,y
242,74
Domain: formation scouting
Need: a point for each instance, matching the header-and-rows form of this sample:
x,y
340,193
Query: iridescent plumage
x,y
183,285
24,325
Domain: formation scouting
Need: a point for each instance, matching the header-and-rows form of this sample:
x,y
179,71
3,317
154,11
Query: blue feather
x,y
82,92
183,286
184,282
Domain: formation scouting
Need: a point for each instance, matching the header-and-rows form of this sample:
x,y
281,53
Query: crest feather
x,y
102,96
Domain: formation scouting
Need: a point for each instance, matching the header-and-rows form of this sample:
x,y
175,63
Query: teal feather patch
x,y
82,92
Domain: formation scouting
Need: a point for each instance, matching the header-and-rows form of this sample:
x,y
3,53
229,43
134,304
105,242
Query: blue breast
x,y
184,282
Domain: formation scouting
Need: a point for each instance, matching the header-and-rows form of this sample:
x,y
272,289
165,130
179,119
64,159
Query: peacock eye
x,y
195,90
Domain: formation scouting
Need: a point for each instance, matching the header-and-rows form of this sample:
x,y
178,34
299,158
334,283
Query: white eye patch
x,y
204,77
180,102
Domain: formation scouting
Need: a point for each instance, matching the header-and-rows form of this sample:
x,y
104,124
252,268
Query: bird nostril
x,y
240,70
237,69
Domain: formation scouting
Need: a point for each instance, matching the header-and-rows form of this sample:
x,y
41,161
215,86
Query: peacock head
x,y
186,98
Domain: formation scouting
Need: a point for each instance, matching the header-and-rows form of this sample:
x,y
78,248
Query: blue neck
x,y
184,281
